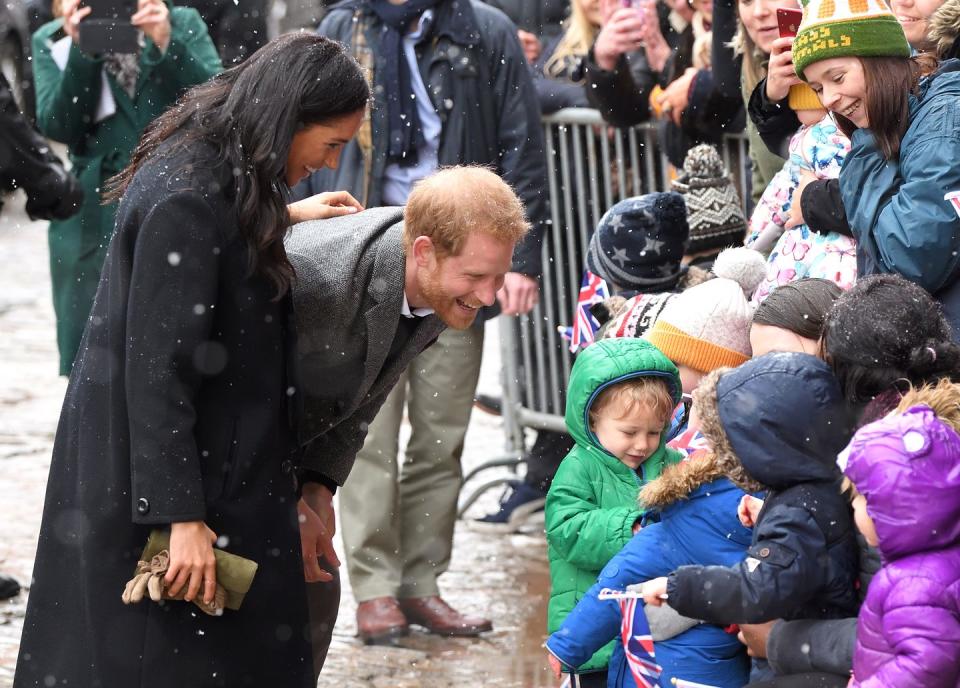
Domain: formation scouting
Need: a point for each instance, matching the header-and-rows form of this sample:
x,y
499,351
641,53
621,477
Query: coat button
x,y
764,552
143,505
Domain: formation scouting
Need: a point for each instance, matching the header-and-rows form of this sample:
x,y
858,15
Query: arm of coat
x,y
191,57
582,533
331,455
923,633
67,100
822,205
594,622
164,336
780,573
775,121
557,94
914,228
710,113
522,162
726,66
26,161
797,647
623,95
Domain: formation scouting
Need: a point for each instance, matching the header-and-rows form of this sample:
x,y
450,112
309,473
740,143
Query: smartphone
x,y
788,21
108,29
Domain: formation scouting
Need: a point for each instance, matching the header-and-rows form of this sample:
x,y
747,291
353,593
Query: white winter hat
x,y
708,326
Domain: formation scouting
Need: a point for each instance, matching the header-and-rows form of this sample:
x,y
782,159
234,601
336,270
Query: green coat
x,y
592,504
66,103
765,162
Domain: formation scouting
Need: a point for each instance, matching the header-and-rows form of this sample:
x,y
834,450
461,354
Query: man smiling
x,y
373,291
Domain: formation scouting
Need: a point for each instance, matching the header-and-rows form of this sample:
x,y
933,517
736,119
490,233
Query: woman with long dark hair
x,y
178,413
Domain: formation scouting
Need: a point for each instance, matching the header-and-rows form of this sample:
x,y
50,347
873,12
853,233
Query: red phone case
x,y
788,20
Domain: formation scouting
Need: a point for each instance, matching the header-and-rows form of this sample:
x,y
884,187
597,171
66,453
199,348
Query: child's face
x,y
631,434
863,521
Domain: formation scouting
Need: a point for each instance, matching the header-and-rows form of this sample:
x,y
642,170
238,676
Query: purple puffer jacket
x,y
908,632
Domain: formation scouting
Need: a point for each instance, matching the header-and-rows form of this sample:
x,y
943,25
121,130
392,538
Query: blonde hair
x,y
577,40
455,201
754,64
943,398
650,392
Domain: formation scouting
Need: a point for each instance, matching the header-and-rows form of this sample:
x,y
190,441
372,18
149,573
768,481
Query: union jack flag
x,y
592,290
954,198
638,644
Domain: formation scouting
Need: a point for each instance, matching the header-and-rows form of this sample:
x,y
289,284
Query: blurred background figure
x,y
98,105
238,27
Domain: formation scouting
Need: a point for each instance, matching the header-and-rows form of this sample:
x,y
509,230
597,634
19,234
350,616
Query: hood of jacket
x,y
605,363
907,466
944,27
776,421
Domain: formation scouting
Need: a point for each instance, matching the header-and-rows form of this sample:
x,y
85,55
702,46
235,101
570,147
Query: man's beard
x,y
444,305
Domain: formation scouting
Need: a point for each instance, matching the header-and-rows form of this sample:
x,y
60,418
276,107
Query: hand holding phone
x,y
780,71
108,28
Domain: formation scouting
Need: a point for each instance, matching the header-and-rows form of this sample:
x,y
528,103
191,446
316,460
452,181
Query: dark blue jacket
x,y
778,422
897,209
699,526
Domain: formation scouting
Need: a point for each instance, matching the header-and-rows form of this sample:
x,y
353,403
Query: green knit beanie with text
x,y
847,28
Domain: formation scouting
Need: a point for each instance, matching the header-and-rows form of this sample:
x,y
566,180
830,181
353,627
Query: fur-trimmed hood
x,y
776,421
944,27
679,481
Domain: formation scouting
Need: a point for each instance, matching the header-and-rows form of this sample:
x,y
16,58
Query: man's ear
x,y
424,252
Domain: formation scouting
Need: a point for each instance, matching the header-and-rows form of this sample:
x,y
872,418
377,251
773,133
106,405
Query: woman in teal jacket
x,y
592,507
900,182
98,106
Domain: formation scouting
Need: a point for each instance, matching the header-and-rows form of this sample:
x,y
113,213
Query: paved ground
x,y
505,578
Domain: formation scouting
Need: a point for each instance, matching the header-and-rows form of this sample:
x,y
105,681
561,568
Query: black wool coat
x,y
176,411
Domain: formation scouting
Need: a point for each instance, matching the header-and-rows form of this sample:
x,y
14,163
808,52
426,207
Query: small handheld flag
x,y
592,290
638,644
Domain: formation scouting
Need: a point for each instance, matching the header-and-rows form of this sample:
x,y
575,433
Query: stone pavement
x,y
503,577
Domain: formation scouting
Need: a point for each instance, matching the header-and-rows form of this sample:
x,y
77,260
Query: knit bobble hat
x,y
714,211
640,242
708,326
847,28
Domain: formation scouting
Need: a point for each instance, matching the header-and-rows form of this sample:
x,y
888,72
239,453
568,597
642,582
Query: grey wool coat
x,y
177,410
347,300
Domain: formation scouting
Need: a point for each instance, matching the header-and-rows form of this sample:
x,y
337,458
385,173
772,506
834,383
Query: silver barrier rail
x,y
591,166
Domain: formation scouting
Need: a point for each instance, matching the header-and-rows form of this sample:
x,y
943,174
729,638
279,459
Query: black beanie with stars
x,y
640,241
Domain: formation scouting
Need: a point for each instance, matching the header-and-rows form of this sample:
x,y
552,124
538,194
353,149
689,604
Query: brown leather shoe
x,y
380,620
439,617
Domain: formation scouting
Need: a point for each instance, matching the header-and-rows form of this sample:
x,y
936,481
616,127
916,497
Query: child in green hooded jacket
x,y
622,393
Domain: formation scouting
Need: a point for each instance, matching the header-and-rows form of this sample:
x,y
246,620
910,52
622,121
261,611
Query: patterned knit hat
x,y
708,326
637,315
640,242
846,28
714,212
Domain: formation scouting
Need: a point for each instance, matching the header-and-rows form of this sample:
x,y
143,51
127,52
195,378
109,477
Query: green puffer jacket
x,y
592,503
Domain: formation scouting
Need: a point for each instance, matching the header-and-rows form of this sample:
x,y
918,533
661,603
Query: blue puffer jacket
x,y
698,526
898,210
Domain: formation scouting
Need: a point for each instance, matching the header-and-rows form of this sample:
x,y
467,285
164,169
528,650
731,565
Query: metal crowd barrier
x,y
591,166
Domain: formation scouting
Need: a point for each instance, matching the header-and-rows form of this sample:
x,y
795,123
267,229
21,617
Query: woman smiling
x,y
900,183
